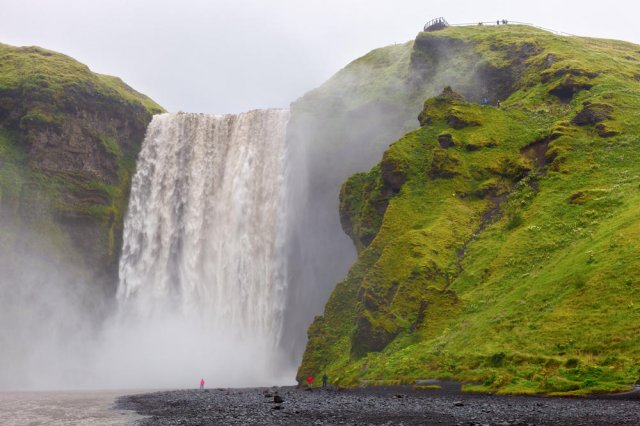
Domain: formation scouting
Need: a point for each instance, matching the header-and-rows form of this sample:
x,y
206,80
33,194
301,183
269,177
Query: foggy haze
x,y
49,314
202,279
228,56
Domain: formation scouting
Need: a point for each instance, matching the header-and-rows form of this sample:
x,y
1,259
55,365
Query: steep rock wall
x,y
69,140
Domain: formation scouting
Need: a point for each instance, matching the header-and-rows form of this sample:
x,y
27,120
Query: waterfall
x,y
203,236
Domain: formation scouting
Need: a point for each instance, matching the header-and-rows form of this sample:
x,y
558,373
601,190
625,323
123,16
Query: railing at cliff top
x,y
436,24
495,23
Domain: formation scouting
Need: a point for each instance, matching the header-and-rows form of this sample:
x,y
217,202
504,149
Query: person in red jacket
x,y
201,383
310,380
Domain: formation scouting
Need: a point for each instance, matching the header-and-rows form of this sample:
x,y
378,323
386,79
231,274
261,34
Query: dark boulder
x,y
445,140
568,87
457,120
605,132
434,107
592,113
372,335
444,165
393,175
448,94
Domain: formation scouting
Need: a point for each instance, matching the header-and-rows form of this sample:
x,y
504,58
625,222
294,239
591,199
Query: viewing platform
x,y
440,23
436,25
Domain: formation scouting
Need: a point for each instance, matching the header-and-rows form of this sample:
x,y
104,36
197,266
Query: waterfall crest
x,y
203,236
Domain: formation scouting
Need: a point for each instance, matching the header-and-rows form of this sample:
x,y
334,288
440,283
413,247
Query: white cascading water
x,y
202,266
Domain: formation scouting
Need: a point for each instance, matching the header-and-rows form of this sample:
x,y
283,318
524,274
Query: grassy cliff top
x,y
498,246
38,72
383,72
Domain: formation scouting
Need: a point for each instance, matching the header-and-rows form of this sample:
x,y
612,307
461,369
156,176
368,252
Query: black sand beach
x,y
375,406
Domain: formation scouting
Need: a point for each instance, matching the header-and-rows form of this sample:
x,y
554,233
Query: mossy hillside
x,y
70,140
399,280
508,256
53,77
344,127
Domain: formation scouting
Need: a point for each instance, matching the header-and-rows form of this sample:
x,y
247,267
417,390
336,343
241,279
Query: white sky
x,y
222,56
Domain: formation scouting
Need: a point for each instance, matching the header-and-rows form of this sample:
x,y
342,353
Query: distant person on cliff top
x,y
310,380
498,103
201,383
324,380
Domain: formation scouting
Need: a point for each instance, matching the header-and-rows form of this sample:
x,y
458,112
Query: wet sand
x,y
63,408
375,406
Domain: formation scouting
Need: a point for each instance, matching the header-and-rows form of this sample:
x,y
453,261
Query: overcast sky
x,y
222,56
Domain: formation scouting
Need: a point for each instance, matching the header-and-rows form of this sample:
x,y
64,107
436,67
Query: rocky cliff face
x,y
495,245
344,127
68,143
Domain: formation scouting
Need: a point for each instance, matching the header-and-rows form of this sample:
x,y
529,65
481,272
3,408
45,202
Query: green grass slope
x,y
50,76
344,126
68,143
499,246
